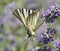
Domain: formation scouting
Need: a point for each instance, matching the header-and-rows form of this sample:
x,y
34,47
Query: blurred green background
x,y
12,32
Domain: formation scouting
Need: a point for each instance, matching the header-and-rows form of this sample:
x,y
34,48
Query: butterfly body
x,y
28,17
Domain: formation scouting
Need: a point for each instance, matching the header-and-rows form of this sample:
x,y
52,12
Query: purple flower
x,y
58,13
52,7
49,49
51,39
51,13
10,5
53,31
51,20
57,44
48,11
48,30
44,40
42,13
45,48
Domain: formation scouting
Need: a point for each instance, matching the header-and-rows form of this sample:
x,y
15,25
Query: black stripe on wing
x,y
32,19
17,14
22,10
30,11
22,13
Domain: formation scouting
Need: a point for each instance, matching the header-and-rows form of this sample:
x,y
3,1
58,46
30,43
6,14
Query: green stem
x,y
34,44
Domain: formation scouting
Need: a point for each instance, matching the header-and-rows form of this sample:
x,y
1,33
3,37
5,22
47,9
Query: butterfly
x,y
29,19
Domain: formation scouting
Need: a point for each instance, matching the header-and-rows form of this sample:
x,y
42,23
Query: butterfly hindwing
x,y
32,18
31,21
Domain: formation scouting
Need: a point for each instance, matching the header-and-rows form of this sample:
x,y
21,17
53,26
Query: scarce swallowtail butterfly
x,y
29,19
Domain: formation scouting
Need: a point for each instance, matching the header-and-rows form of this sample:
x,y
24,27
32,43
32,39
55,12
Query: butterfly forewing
x,y
19,13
